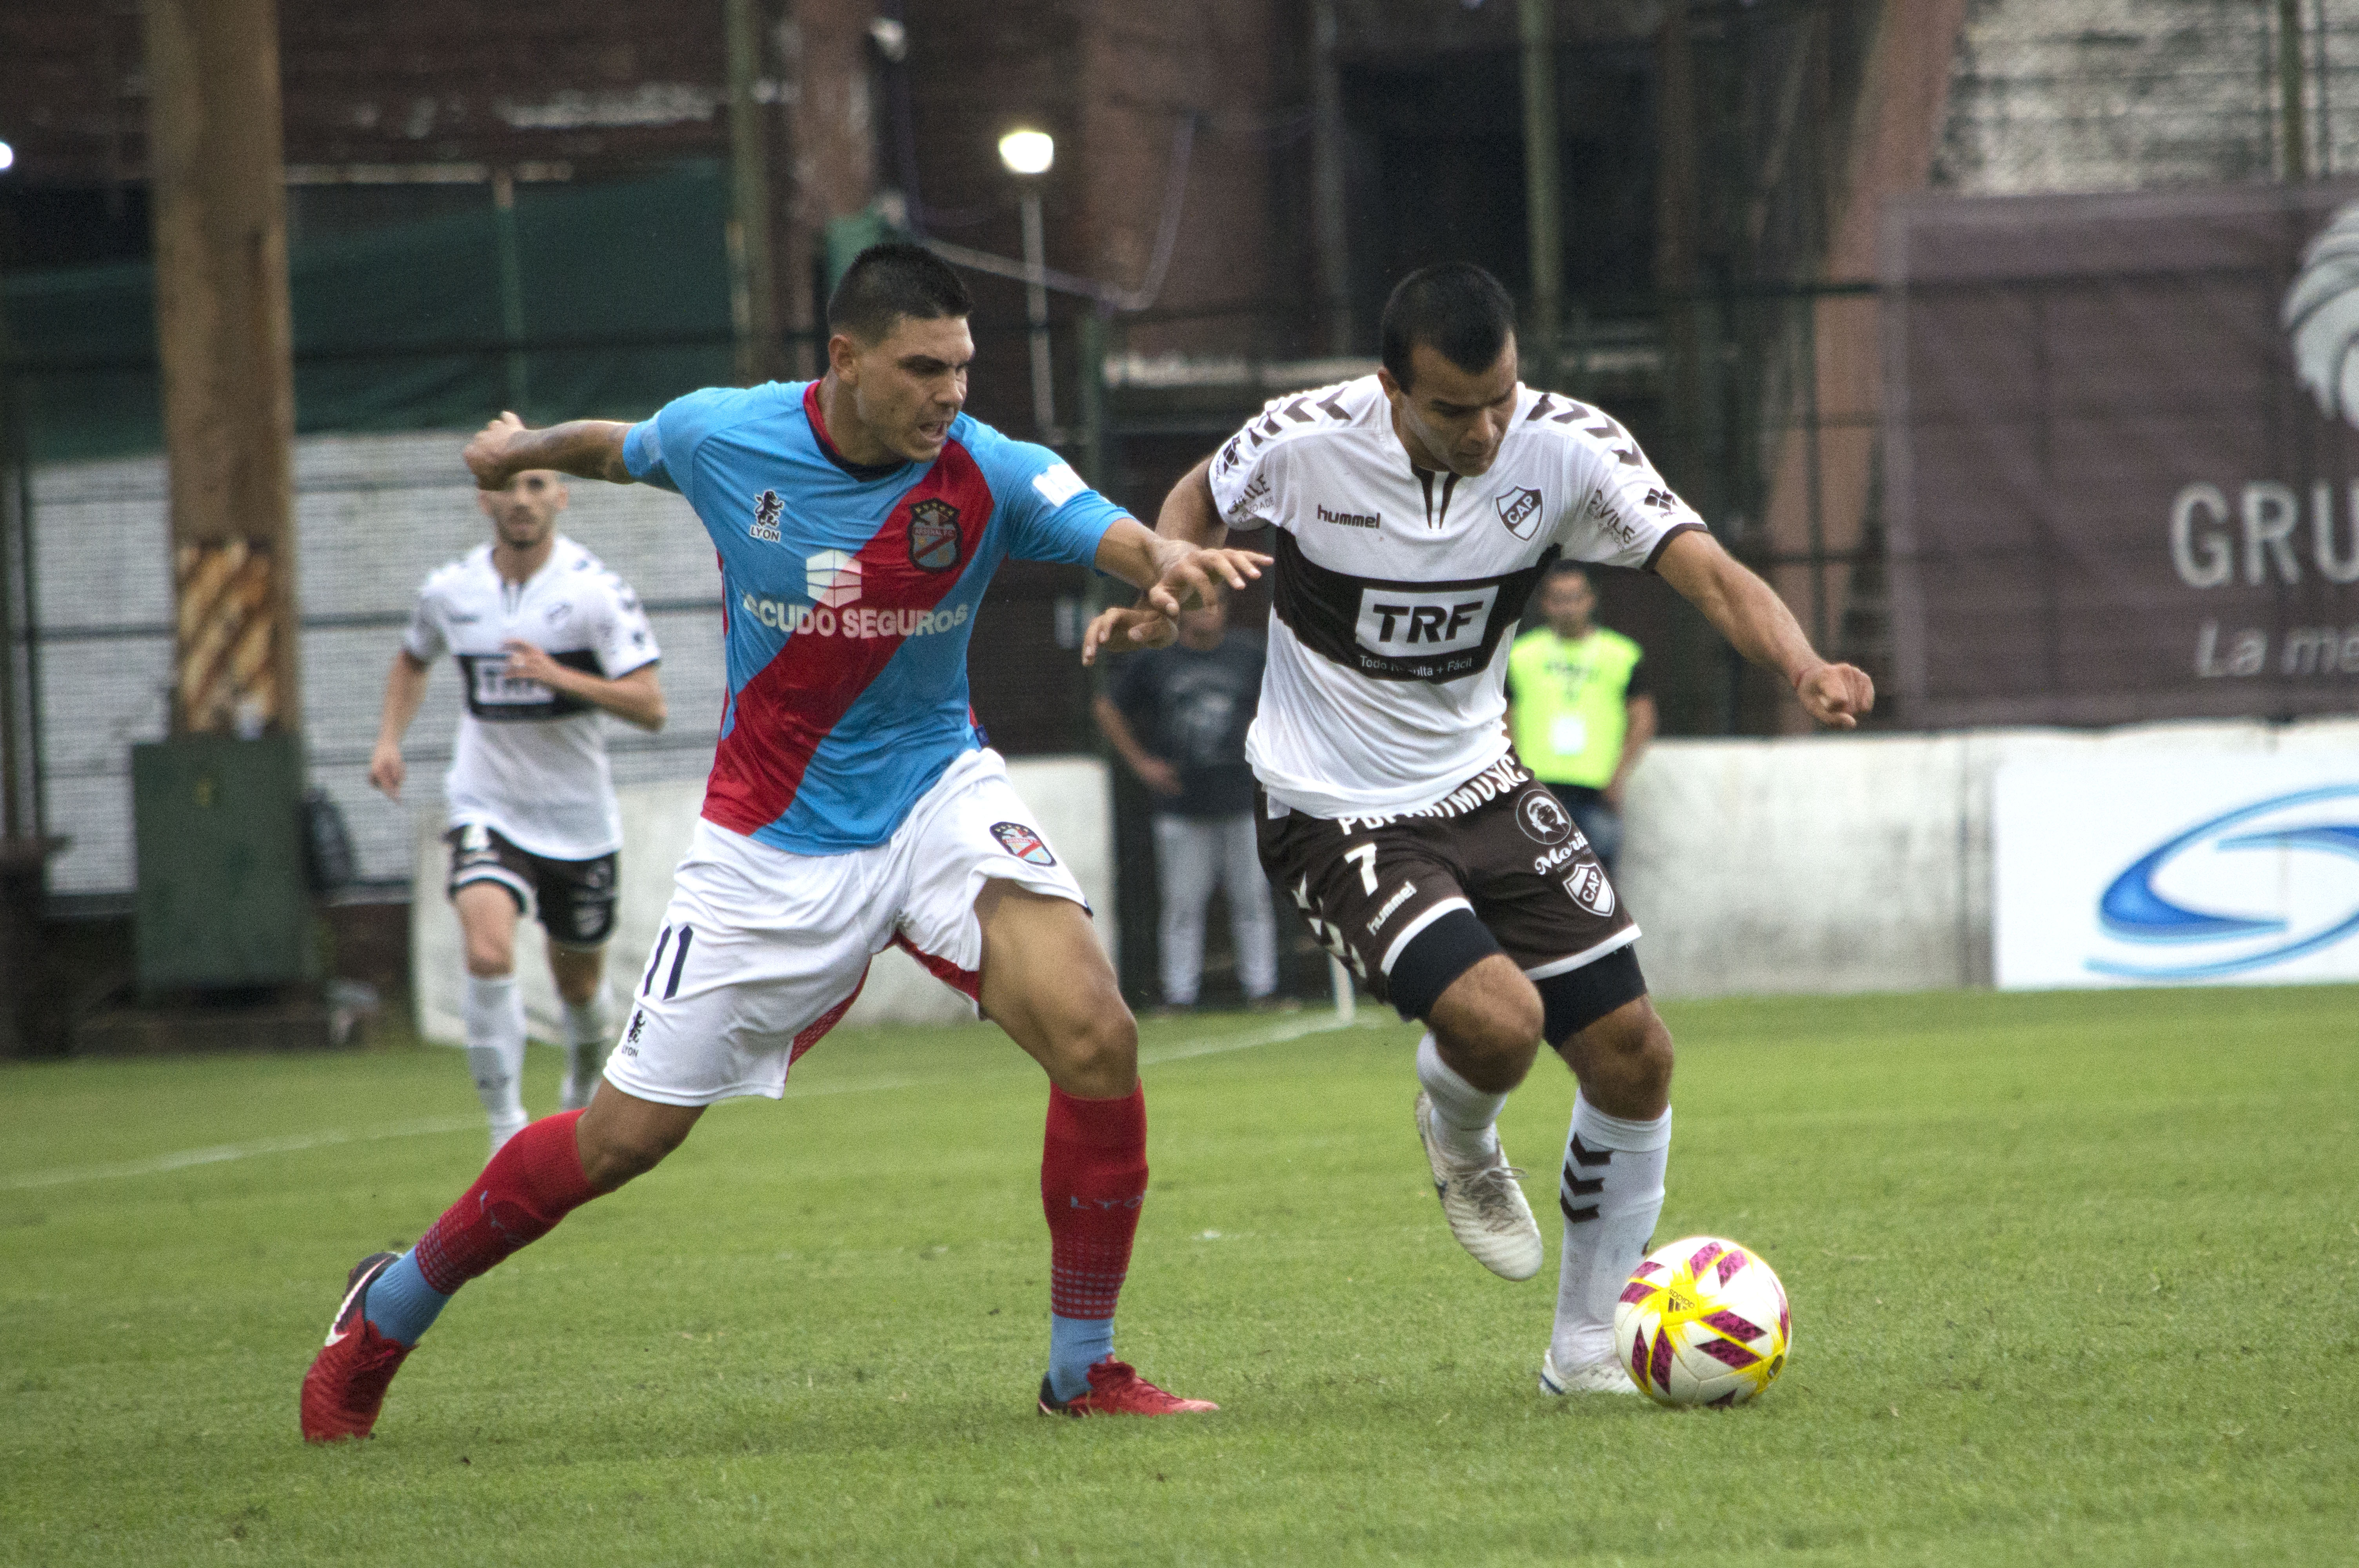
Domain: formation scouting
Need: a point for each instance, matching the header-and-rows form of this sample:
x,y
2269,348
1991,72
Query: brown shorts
x,y
1500,846
573,900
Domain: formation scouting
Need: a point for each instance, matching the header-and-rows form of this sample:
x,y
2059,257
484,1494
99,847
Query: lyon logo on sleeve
x,y
1023,843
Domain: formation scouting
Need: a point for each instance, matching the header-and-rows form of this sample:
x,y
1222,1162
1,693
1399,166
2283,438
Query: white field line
x,y
223,1153
1294,1029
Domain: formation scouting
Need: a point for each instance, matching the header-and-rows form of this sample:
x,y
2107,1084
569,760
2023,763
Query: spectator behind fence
x,y
1177,718
1579,708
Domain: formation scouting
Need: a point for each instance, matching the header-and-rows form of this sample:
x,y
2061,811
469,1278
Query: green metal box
x,y
222,901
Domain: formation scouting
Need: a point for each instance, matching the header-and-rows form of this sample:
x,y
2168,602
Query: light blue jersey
x,y
849,595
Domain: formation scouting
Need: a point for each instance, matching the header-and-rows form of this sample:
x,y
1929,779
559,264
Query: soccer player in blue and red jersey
x,y
852,805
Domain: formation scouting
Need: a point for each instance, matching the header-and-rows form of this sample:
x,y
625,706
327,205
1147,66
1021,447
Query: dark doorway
x,y
1436,169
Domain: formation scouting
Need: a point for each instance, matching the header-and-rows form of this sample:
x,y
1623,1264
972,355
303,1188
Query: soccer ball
x,y
1702,1322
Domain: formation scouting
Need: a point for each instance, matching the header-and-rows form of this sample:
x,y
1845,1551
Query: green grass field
x,y
2073,1279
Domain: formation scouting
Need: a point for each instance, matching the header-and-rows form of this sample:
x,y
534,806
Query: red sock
x,y
532,1183
1093,1179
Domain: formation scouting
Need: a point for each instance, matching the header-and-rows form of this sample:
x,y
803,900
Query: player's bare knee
x,y
1626,1056
579,973
612,1154
1491,1046
1486,1023
1649,1057
1097,1054
622,1136
489,958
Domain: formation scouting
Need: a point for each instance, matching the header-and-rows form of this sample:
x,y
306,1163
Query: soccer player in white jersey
x,y
1415,510
546,639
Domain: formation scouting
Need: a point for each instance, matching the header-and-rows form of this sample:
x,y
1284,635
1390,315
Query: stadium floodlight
x,y
1027,152
7,157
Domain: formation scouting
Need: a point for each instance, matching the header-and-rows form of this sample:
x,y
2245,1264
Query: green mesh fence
x,y
598,300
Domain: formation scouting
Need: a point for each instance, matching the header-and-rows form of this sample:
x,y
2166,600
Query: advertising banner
x,y
2122,472
2176,871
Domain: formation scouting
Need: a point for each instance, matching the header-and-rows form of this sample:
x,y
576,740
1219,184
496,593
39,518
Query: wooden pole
x,y
217,188
1542,192
754,281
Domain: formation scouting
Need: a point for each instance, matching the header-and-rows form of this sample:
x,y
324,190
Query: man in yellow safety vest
x,y
1579,708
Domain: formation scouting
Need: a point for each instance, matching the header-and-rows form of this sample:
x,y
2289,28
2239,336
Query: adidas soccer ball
x,y
1702,1322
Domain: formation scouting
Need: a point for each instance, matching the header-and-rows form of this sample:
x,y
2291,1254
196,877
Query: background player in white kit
x,y
545,637
1415,510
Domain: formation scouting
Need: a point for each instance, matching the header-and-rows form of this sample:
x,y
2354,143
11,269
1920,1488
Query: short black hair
x,y
1455,309
1562,568
888,281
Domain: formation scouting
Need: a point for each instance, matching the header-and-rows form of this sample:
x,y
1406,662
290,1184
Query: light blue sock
x,y
401,1303
1075,1344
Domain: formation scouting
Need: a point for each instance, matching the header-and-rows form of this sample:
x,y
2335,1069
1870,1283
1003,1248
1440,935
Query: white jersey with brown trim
x,y
1396,586
528,760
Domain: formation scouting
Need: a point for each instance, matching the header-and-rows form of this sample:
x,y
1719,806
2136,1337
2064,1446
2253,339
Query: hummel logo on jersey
x,y
767,510
1520,511
1352,519
833,577
1401,895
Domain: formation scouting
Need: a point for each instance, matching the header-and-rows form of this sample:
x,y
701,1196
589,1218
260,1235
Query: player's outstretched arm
x,y
1190,513
1189,518
405,688
1174,575
1749,612
586,448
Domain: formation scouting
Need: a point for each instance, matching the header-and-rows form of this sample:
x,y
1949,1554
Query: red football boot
x,y
1116,1389
345,1386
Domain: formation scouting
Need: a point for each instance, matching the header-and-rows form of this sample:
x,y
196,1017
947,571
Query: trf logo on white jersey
x,y
833,579
1409,624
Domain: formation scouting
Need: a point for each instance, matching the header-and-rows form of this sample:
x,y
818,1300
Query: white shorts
x,y
763,951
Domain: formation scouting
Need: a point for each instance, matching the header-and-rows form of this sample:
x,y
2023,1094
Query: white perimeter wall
x,y
1826,864
1854,863
1071,796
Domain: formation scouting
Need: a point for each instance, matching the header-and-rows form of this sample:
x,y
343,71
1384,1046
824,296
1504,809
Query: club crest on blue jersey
x,y
1023,843
767,510
933,536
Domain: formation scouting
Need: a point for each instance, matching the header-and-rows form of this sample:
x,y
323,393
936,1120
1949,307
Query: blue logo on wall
x,y
2133,910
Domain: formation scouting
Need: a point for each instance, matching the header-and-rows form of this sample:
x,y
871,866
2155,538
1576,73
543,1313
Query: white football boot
x,y
1603,1377
1484,1205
